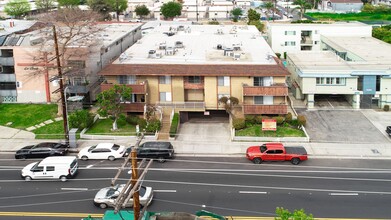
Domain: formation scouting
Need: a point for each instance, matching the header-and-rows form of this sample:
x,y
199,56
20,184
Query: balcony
x,y
139,88
78,89
280,89
7,61
5,77
193,84
183,105
265,109
306,41
133,107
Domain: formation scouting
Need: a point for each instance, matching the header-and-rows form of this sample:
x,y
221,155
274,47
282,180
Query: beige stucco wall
x,y
249,100
279,79
164,87
210,87
194,95
178,93
385,86
153,89
237,86
309,86
277,100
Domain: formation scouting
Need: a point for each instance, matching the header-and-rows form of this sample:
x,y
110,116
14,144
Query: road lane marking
x,y
89,166
252,192
343,194
75,189
165,190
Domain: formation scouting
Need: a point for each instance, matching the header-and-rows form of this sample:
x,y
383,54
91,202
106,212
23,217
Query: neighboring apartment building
x,y
189,67
341,5
34,70
355,68
287,37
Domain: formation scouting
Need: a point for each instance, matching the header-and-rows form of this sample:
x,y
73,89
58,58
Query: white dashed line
x,y
165,190
343,194
252,192
89,166
75,189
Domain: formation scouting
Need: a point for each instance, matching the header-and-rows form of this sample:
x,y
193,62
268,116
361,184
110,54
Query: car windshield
x,y
115,147
91,148
112,190
263,148
142,191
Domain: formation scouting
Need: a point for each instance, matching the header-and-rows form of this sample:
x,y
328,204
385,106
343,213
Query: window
x,y
127,79
290,32
194,79
258,100
78,64
258,81
165,96
164,79
330,81
316,42
290,43
279,151
50,168
263,81
38,169
378,81
223,80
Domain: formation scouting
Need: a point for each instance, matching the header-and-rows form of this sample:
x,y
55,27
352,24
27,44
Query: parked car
x,y
159,150
42,150
61,168
108,151
276,152
290,16
107,197
388,130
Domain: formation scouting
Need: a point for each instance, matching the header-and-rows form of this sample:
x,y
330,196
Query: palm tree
x,y
269,6
302,5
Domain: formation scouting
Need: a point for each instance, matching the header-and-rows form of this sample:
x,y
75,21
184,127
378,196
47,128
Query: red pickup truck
x,y
276,152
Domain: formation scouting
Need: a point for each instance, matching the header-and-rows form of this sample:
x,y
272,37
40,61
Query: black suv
x,y
42,150
159,150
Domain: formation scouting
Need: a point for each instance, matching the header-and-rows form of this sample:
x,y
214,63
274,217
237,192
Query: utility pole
x,y
61,90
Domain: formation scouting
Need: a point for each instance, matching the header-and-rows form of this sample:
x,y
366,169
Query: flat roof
x,y
11,26
201,44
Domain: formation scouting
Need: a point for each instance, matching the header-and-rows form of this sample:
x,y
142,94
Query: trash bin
x,y
72,138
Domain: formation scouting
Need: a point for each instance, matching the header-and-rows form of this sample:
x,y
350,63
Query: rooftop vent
x,y
236,47
151,54
236,56
228,52
181,28
179,44
162,46
188,30
170,51
219,46
123,57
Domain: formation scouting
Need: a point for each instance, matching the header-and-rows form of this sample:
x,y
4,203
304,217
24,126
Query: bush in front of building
x,y
386,108
80,119
279,119
250,119
239,123
174,125
288,117
132,119
121,121
301,120
153,125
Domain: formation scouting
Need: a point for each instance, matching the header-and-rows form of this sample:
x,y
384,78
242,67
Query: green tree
x,y
68,3
109,102
171,9
253,15
44,5
258,24
302,5
17,8
102,7
269,6
142,10
118,6
285,214
382,33
236,12
80,119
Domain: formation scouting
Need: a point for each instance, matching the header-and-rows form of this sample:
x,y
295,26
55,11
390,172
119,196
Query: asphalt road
x,y
228,186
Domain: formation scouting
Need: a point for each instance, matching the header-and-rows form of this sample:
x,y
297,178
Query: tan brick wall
x,y
279,79
153,89
278,100
178,93
210,92
237,86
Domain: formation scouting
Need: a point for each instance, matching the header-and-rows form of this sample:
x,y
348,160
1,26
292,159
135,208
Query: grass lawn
x,y
103,127
54,130
282,131
23,116
362,16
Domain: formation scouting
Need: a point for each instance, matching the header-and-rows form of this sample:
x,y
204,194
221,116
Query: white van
x,y
62,167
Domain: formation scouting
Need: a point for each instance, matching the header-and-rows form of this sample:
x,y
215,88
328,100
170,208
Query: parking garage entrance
x,y
332,101
205,116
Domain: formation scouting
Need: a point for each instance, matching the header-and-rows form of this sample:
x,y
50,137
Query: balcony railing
x,y
133,106
77,88
306,41
140,88
188,84
5,77
273,90
265,109
183,105
7,61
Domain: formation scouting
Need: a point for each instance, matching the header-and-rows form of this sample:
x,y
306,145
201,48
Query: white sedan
x,y
108,151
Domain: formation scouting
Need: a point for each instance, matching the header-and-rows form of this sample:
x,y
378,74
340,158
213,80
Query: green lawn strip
x,y
362,16
54,130
23,116
104,126
256,131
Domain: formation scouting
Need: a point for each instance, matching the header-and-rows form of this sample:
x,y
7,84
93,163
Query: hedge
x,y
174,125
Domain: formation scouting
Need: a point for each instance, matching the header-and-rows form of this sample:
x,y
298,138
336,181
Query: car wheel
x,y
63,178
161,159
102,205
295,161
84,158
257,160
111,158
27,178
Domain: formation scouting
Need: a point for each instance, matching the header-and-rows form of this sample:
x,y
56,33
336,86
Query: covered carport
x,y
205,116
333,101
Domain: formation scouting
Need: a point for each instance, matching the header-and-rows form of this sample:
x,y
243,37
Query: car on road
x,y
108,151
388,130
276,152
107,197
159,150
290,16
42,150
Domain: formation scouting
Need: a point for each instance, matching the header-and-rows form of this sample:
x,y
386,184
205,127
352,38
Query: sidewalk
x,y
12,140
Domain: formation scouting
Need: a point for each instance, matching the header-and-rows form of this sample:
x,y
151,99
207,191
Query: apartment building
x,y
287,37
357,69
189,67
32,76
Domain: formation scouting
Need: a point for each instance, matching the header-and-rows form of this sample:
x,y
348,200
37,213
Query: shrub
x,y
288,117
250,119
153,125
80,119
132,119
386,108
213,23
142,123
258,119
121,121
294,122
278,55
174,125
238,123
301,120
279,119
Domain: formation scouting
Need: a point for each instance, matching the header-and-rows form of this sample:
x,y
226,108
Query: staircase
x,y
164,132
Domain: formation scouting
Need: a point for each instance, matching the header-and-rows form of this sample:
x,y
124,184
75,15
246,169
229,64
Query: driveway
x,y
345,126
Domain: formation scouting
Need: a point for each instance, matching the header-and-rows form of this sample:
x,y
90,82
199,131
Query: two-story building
x,y
188,68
